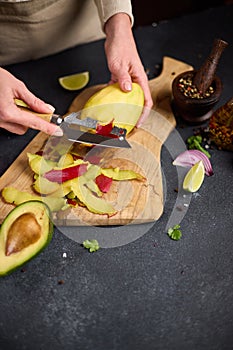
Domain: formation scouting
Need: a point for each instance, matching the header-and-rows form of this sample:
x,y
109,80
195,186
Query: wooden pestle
x,y
205,75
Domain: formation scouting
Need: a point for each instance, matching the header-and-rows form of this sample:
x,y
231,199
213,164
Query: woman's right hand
x,y
16,120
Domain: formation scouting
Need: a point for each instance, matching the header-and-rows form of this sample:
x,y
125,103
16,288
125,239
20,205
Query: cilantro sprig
x,y
91,244
174,232
194,142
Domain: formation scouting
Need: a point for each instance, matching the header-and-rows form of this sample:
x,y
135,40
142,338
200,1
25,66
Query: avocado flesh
x,y
24,233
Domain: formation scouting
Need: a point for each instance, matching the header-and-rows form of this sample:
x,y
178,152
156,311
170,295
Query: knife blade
x,y
76,135
71,124
72,127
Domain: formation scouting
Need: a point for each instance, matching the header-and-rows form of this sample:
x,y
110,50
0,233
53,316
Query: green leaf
x,y
174,232
194,142
91,244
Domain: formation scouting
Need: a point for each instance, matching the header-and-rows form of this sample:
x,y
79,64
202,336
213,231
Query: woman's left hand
x,y
123,59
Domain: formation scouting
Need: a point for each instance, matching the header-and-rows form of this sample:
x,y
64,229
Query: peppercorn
x,y
187,87
61,282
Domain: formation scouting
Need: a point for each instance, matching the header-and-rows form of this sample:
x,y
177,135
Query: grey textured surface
x,y
153,293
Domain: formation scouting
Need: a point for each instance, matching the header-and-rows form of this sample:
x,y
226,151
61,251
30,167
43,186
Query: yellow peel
x,y
94,204
13,196
121,174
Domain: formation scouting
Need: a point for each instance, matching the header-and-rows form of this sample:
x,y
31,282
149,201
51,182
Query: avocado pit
x,y
23,232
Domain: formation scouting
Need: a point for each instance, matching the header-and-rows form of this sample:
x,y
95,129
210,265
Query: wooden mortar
x,y
198,110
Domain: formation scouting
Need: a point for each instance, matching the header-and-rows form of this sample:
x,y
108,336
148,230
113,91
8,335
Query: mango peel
x,y
14,196
85,189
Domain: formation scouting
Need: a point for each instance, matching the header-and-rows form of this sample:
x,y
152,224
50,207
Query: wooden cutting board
x,y
136,201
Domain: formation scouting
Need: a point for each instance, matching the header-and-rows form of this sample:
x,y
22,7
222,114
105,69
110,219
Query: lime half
x,y
74,81
194,177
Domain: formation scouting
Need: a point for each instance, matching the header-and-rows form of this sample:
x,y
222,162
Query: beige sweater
x,y
30,29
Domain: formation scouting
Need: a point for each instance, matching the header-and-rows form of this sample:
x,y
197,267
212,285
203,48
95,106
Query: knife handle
x,y
56,119
51,118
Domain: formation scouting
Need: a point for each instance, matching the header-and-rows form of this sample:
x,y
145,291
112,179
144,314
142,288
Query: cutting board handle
x,y
161,87
171,68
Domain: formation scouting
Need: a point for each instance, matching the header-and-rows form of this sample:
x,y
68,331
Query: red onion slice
x,y
191,157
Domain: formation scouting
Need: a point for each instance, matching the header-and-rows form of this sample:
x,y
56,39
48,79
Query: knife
x,y
72,127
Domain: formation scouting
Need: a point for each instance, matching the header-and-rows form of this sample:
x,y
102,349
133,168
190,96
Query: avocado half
x,y
24,233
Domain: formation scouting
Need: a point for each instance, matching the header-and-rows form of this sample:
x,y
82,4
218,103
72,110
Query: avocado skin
x,y
50,230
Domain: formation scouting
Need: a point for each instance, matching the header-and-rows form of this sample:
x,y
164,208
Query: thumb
x,y
35,103
125,82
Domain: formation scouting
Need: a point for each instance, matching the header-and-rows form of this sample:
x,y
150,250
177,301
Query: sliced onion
x,y
191,157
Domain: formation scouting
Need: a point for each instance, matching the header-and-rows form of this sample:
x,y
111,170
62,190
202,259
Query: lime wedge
x,y
194,177
74,81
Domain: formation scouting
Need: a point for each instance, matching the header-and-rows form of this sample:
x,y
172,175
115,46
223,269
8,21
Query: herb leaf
x,y
174,232
91,244
194,142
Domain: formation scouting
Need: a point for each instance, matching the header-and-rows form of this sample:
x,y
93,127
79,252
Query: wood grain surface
x,y
136,201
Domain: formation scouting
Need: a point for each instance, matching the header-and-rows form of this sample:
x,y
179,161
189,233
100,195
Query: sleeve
x,y
107,9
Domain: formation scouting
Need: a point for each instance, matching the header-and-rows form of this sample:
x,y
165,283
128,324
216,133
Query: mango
x,y
65,160
121,174
43,186
111,103
39,164
94,204
14,196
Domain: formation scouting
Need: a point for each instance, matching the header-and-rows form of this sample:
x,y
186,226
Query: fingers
x,y
125,82
34,102
33,121
143,117
14,128
148,102
17,120
123,60
11,87
143,82
120,73
126,86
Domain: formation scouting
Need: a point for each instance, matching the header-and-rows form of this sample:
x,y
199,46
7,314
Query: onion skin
x,y
190,157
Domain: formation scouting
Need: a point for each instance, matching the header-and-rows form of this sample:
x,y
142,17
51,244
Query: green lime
x,y
194,177
74,81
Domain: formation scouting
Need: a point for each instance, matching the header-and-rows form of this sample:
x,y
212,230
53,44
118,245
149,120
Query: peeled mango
x,y
113,104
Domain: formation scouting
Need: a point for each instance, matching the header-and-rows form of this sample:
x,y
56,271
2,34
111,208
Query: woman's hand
x,y
123,60
14,119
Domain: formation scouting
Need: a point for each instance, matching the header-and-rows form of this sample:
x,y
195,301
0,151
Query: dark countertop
x,y
153,293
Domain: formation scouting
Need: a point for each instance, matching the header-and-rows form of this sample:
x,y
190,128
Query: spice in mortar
x,y
187,87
